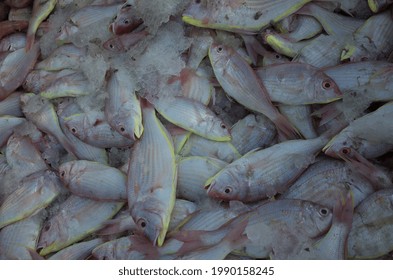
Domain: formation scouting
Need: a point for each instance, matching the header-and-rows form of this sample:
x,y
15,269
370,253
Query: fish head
x,y
341,141
128,122
114,44
197,13
126,20
219,129
75,124
148,218
219,55
49,236
318,219
225,186
325,88
66,171
354,53
65,32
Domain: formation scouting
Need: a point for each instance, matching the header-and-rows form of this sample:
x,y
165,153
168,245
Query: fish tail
x,y
236,236
145,102
327,113
285,128
30,38
343,215
343,210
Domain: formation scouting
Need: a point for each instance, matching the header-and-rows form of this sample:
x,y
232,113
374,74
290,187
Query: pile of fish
x,y
196,129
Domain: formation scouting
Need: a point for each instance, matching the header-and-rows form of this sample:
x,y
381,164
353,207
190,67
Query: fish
x,y
193,171
373,127
73,222
122,106
33,194
41,10
10,106
93,129
16,239
7,126
42,113
251,132
333,245
241,16
94,180
133,247
334,24
372,222
126,20
372,40
67,56
200,119
77,251
240,82
199,146
71,85
263,173
298,84
125,42
323,51
13,42
327,178
151,178
81,149
14,69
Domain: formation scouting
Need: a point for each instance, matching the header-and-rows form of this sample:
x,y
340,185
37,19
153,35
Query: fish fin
x,y
143,245
3,93
362,166
192,240
305,10
236,235
343,209
253,48
327,113
285,129
30,38
146,103
111,227
343,214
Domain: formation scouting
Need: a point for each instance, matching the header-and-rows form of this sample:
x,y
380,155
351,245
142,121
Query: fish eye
x,y
278,56
323,212
126,21
223,126
73,130
326,84
142,223
219,49
111,46
228,190
345,150
122,129
47,226
62,174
